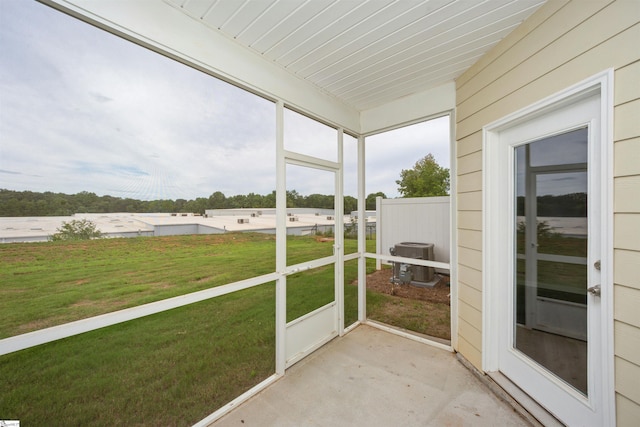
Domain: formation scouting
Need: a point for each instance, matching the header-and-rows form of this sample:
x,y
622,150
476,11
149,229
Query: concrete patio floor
x,y
370,377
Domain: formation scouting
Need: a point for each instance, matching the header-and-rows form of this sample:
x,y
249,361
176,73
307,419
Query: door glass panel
x,y
562,149
551,255
562,213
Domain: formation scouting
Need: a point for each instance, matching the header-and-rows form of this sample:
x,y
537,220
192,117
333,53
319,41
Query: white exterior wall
x,y
561,44
183,229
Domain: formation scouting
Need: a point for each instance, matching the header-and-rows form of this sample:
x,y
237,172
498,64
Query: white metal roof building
x,y
38,229
299,222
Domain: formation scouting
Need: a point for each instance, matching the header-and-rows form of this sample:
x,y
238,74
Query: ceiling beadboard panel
x,y
366,53
381,25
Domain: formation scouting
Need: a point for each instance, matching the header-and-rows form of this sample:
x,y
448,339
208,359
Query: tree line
x,y
30,203
425,179
565,205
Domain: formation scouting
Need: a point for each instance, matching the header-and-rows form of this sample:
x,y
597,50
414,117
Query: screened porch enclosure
x,y
309,85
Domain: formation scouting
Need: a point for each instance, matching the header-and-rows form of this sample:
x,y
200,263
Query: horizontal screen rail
x,y
414,261
304,266
42,336
350,257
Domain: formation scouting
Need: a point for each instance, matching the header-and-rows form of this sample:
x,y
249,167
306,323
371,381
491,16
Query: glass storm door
x,y
551,256
551,345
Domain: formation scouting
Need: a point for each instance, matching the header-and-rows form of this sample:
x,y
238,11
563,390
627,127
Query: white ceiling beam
x,y
432,102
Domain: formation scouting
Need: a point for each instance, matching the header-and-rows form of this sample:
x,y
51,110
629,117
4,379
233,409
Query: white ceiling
x,y
366,53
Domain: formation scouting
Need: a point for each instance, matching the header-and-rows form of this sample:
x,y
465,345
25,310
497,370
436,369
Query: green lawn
x,y
172,368
57,282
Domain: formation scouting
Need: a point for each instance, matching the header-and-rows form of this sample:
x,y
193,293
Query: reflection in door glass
x,y
562,149
551,254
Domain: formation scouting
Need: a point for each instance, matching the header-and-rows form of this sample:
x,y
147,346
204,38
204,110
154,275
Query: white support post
x,y
378,233
339,233
281,242
362,229
453,229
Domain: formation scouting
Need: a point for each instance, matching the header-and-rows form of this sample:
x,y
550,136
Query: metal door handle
x,y
594,290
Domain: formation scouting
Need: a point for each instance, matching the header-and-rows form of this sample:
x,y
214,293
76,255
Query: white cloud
x,y
83,110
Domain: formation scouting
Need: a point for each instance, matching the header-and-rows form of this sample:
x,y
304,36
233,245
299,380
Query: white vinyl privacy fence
x,y
418,220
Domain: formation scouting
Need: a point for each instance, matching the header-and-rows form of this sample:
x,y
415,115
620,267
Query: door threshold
x,y
521,401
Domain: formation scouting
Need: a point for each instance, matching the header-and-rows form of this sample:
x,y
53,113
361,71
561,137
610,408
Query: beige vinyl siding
x,y
473,257
628,412
470,220
469,185
627,241
470,182
627,343
627,301
627,232
563,43
471,239
626,198
543,54
628,88
470,144
627,158
627,374
469,190
468,346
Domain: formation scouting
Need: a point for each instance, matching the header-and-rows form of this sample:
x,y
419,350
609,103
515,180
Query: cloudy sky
x,y
83,110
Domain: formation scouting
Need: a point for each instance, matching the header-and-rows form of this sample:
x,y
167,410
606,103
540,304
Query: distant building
x,y
300,221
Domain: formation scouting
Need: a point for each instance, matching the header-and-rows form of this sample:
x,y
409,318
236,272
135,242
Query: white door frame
x,y
302,336
496,183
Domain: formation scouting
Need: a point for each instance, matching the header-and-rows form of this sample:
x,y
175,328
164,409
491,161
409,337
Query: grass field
x,y
172,368
58,282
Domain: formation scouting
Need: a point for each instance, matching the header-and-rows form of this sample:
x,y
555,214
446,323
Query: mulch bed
x,y
380,281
